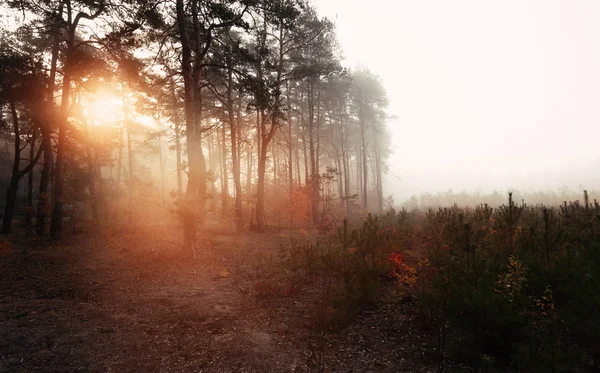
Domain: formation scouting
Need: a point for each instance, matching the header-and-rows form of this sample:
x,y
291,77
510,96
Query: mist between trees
x,y
232,110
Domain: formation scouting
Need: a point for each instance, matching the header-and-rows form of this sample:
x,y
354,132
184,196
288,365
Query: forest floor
x,y
129,303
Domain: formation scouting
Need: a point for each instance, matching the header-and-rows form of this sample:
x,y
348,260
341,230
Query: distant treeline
x,y
497,198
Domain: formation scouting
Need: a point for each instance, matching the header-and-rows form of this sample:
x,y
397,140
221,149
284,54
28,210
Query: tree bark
x,y
188,206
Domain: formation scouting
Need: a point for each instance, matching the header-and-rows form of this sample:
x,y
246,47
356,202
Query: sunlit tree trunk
x,y
120,155
130,160
189,221
162,170
178,158
177,130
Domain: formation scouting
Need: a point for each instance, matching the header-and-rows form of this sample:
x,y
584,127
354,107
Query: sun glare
x,y
103,108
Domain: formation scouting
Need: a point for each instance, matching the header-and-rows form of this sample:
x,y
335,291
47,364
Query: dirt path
x,y
128,304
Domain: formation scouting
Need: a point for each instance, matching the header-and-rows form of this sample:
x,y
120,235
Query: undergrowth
x,y
512,288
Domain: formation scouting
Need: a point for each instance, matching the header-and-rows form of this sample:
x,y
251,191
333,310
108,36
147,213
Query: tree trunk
x,y
306,162
260,190
29,211
46,130
178,157
120,154
290,152
224,173
239,219
56,223
378,176
364,164
338,164
177,129
162,171
130,179
43,200
188,206
212,161
266,137
298,175
359,189
250,170
314,171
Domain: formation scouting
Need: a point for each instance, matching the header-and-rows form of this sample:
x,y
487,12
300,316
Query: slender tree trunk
x,y
346,176
306,162
267,137
188,207
250,170
162,171
29,211
178,157
260,189
378,176
359,188
275,157
97,187
314,170
290,151
338,164
120,154
233,128
43,200
177,130
56,223
43,193
364,164
225,174
129,153
213,165
298,175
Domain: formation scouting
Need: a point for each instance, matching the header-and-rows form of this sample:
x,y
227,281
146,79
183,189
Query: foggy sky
x,y
488,94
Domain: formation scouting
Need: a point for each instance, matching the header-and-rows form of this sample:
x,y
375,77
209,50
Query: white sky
x,y
488,94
